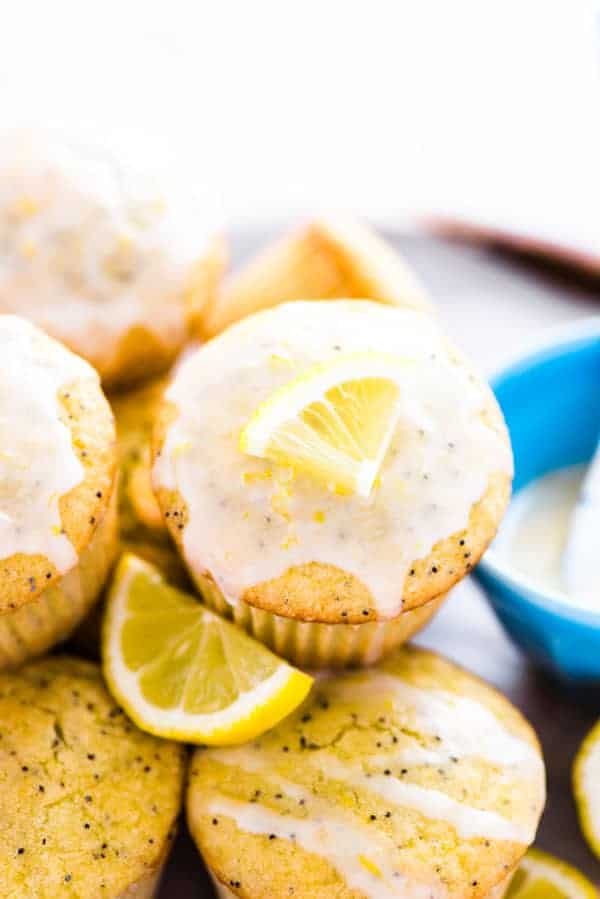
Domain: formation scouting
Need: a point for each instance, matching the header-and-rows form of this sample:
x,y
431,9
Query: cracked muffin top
x,y
412,779
87,801
57,460
271,534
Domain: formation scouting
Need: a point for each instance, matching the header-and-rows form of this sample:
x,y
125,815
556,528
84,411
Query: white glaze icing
x,y
551,534
461,727
580,570
248,522
467,821
465,727
336,840
433,727
38,464
87,249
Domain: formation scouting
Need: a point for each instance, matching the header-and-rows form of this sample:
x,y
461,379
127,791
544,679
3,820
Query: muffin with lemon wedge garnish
x,y
183,672
329,470
412,778
58,526
100,257
327,259
88,803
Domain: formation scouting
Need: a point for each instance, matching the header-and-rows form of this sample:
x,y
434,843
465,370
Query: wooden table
x,y
489,304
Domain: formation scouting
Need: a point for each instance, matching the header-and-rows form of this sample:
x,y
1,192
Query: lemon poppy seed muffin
x,y
58,524
88,803
99,257
410,779
329,576
328,258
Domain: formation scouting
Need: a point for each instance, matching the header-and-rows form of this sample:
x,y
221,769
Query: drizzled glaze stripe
x,y
466,727
360,857
467,821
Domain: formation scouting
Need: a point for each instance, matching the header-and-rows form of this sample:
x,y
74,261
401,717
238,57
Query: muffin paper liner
x,y
315,645
37,626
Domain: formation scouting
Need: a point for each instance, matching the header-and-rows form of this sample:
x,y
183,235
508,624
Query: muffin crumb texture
x,y
413,779
88,802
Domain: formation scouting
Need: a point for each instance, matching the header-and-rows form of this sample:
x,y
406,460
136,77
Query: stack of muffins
x,y
88,802
406,778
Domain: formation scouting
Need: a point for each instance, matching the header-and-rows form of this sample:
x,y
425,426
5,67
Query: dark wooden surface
x,y
489,304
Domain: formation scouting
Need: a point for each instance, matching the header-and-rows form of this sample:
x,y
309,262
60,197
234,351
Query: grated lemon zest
x,y
369,865
251,477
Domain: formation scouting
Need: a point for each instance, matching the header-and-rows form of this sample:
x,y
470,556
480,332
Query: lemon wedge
x,y
182,672
542,876
335,421
586,785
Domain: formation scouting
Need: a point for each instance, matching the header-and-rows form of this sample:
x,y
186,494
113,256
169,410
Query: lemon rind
x,y
560,873
584,813
250,715
286,402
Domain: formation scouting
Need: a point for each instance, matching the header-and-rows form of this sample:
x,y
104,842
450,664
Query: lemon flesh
x,y
334,422
183,672
586,784
541,876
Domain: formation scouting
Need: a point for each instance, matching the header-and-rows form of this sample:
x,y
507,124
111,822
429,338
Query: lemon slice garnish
x,y
334,422
183,672
586,784
542,876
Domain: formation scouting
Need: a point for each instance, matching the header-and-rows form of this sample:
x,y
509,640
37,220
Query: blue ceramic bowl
x,y
550,398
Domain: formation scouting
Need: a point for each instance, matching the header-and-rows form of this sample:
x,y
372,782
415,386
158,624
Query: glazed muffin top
x,y
95,255
88,802
57,460
412,779
283,542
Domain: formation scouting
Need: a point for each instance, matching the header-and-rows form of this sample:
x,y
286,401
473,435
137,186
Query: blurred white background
x,y
488,108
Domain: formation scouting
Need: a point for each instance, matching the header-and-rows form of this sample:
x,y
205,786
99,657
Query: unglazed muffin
x,y
327,259
328,578
411,779
88,803
100,258
58,523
